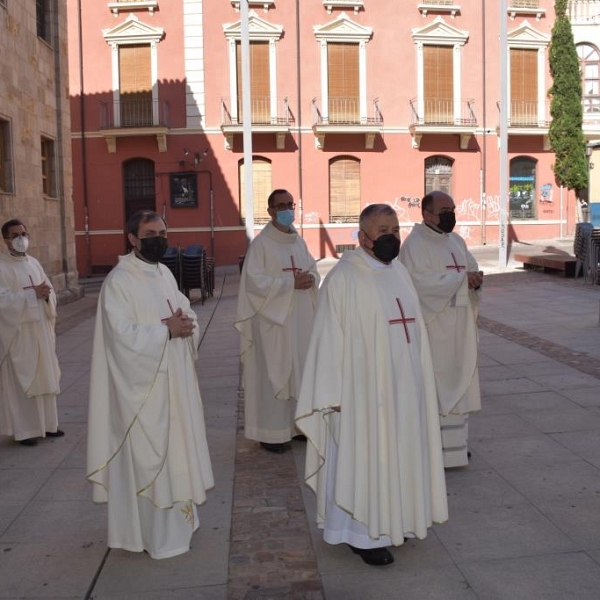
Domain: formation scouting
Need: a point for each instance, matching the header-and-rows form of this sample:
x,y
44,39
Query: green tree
x,y
566,133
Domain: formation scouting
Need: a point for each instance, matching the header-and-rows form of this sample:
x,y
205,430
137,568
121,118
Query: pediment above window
x,y
526,36
133,31
438,31
342,29
258,29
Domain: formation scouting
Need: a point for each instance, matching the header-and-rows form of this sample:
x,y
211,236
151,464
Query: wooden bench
x,y
549,262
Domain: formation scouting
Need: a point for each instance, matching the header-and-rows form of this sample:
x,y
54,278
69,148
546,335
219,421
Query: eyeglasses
x,y
288,206
16,235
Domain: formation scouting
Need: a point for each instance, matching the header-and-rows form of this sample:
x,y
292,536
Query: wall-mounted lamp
x,y
198,158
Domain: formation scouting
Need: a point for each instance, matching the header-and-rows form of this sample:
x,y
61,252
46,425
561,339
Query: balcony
x,y
442,116
528,118
584,12
525,7
269,115
129,5
356,5
347,116
439,6
129,117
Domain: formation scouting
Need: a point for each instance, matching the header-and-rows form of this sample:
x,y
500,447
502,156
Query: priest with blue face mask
x,y
29,371
276,303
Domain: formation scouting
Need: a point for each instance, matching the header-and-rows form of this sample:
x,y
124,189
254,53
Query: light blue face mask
x,y
285,217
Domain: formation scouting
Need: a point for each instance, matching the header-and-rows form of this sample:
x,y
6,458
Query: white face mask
x,y
20,244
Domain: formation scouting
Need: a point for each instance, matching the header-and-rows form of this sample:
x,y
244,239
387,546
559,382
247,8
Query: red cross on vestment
x,y
455,265
404,320
171,309
293,268
30,287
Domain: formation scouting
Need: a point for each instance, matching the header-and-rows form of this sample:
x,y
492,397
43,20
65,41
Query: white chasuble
x,y
369,356
147,449
29,371
438,264
275,321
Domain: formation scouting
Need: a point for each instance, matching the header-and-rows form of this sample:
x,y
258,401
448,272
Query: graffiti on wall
x,y
546,192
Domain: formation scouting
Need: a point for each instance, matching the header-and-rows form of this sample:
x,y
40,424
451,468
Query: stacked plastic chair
x,y
193,271
593,258
171,259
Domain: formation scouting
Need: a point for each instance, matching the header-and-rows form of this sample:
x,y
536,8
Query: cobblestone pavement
x,y
260,541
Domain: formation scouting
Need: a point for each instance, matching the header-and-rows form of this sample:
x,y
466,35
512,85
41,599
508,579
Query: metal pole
x,y
247,123
502,216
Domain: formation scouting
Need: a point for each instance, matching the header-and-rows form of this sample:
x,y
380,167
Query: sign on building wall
x,y
184,191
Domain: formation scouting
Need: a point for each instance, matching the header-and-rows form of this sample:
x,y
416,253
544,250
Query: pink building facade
x,y
352,102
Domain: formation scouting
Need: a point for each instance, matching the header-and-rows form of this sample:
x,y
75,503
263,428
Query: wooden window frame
x,y
48,160
344,202
261,188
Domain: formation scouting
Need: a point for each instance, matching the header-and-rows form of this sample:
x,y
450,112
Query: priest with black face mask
x,y
147,450
448,281
368,404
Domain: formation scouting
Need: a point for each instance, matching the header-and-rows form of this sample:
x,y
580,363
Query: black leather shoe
x,y
376,557
57,433
276,448
28,442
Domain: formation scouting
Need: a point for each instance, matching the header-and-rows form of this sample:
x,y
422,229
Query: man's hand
x,y
42,291
180,325
475,279
303,280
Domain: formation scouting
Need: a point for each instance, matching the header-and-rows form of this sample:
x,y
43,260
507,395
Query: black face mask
x,y
386,247
447,221
153,248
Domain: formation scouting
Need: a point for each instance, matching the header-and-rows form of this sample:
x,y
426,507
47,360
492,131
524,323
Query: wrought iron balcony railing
x,y
262,109
443,112
581,12
134,112
346,111
527,114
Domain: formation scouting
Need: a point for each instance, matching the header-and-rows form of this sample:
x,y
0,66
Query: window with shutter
x,y
43,13
343,83
48,168
261,188
589,61
344,190
135,85
523,87
260,88
438,92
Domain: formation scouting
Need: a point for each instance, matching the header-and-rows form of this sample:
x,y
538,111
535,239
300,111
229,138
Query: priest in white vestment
x,y
448,282
276,303
147,449
368,403
29,371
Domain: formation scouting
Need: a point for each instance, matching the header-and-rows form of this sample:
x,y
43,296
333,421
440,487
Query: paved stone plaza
x,y
524,516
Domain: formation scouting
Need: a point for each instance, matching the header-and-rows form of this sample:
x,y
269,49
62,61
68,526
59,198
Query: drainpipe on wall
x,y
299,112
83,147
484,117
60,176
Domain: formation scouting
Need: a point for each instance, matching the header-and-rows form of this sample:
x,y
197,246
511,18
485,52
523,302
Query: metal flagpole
x,y
247,121
503,214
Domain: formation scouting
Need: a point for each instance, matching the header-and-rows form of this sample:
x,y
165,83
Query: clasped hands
x,y
303,280
475,279
42,290
180,325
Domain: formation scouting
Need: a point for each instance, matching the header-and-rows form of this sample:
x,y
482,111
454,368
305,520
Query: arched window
x,y
344,189
139,186
522,188
261,188
438,174
589,63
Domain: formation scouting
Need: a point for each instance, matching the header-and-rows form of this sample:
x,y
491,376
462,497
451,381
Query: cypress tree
x,y
566,133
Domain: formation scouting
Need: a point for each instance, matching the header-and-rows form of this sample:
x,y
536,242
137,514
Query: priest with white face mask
x,y
276,302
368,404
29,371
448,281
147,449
